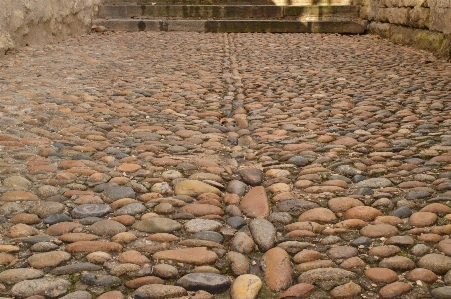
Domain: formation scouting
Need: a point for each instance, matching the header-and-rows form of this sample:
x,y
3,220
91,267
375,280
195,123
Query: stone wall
x,y
38,22
425,24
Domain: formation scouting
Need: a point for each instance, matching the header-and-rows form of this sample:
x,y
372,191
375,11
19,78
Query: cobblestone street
x,y
186,165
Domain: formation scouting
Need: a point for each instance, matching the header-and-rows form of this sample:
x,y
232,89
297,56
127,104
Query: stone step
x,y
230,12
235,2
236,26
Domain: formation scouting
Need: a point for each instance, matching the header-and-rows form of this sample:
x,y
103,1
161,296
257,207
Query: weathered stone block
x,y
440,19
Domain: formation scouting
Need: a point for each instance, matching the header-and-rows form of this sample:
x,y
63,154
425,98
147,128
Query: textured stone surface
x,y
318,115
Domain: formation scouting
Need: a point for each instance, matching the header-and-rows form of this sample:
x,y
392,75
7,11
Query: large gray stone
x,y
49,287
210,282
157,225
264,234
91,210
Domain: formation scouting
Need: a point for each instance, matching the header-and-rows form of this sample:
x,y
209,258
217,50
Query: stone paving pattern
x,y
185,165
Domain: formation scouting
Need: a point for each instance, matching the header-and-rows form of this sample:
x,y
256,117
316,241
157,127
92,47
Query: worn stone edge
x,y
433,41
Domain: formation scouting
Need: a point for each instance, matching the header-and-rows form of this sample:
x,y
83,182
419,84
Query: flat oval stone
x,y
296,207
423,219
210,282
441,293
255,203
51,287
194,188
157,291
384,251
200,210
82,295
397,263
107,228
381,275
364,213
19,196
93,246
62,228
100,280
394,290
251,176
11,276
422,274
195,255
379,230
300,290
246,286
199,225
264,234
56,218
342,252
48,259
47,208
142,281
165,271
349,290
75,268
131,209
242,243
342,204
374,183
75,237
437,263
277,268
327,278
157,225
321,215
236,187
91,210
114,193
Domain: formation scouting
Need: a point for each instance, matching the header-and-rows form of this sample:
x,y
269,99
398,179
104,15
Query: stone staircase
x,y
278,16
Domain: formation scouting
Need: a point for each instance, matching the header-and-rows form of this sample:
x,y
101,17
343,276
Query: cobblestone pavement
x,y
185,165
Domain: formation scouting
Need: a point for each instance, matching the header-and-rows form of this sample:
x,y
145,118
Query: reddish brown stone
x,y
255,203
278,272
111,295
298,234
430,238
202,210
437,208
25,218
364,213
342,204
379,230
381,275
300,290
139,282
93,246
315,265
19,196
195,255
384,251
423,219
321,215
394,290
422,274
126,220
75,237
349,290
62,228
133,257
